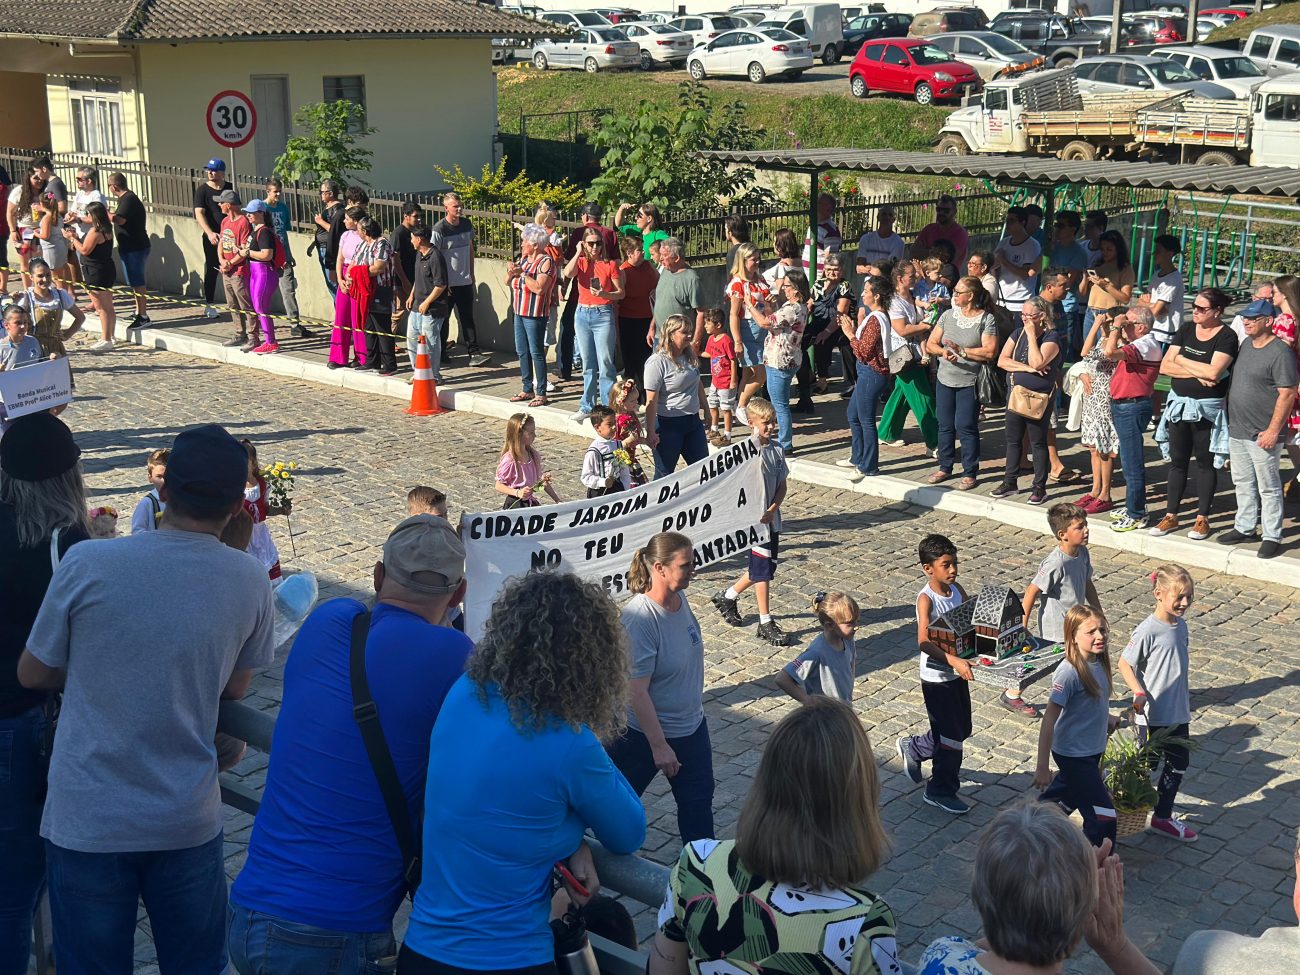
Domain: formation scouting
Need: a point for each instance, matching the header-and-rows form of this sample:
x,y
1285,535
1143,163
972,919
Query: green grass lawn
x,y
1239,29
787,117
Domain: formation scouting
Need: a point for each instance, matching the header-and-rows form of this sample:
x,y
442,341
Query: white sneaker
x,y
103,345
893,443
845,462
579,416
740,418
210,312
550,387
855,475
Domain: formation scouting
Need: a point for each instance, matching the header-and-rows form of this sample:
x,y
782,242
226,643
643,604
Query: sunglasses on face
x,y
1202,307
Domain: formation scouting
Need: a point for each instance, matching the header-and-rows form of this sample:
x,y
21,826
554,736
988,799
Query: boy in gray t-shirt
x,y
1064,579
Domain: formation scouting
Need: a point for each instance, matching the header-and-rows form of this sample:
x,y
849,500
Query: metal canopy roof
x,y
1033,171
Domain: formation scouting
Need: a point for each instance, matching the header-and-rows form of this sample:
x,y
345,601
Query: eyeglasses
x,y
961,291
1202,307
1030,316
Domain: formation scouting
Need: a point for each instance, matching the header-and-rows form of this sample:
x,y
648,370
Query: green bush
x,y
329,150
493,189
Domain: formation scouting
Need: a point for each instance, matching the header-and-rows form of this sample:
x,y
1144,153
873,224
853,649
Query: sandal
x,y
965,484
537,401
1068,475
938,477
521,397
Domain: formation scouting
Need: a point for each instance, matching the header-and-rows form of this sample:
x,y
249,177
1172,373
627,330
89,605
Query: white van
x,y
821,23
1275,49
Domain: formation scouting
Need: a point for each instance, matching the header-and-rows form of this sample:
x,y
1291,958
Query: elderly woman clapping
x,y
532,292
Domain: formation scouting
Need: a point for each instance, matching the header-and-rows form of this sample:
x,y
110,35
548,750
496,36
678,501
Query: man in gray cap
x,y
323,859
233,263
1260,397
146,634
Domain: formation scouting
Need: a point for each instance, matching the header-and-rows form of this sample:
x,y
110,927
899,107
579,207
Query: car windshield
x,y
1238,68
608,35
1004,45
727,23
777,34
664,29
1172,71
929,54
587,19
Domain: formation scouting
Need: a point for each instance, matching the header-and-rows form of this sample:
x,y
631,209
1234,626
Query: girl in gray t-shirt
x,y
829,665
1076,723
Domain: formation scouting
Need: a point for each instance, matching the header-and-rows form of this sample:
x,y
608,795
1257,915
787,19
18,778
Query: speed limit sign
x,y
232,120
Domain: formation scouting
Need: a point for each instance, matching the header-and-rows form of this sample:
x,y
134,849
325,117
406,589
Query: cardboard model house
x,y
954,631
988,625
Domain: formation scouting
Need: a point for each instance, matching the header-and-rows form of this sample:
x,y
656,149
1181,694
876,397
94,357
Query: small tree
x,y
650,156
329,150
493,188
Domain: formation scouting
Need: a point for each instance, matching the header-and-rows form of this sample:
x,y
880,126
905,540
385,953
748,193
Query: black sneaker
x,y
1037,497
1004,491
1234,537
727,607
299,332
772,633
1269,550
238,341
911,767
806,409
847,394
949,804
479,359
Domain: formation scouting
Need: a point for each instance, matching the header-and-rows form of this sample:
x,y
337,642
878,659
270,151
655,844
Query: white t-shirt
x,y
80,200
26,222
1168,288
898,308
1016,290
872,248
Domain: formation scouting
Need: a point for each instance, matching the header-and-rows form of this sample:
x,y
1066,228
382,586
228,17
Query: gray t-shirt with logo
x,y
775,471
149,629
821,669
667,648
1157,651
1080,732
1064,584
677,384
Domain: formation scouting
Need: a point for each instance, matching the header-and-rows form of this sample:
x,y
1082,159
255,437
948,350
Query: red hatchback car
x,y
911,66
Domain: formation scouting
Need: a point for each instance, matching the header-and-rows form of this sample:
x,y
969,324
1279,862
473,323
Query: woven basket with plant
x,y
1126,767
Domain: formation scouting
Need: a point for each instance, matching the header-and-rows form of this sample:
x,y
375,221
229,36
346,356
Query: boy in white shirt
x,y
1166,294
148,512
602,472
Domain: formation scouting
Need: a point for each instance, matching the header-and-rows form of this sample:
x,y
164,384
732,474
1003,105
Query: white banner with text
x,y
716,502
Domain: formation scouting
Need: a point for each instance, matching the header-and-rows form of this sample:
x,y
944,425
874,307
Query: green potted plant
x,y
1126,767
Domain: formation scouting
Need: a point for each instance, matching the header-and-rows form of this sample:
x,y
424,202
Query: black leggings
x,y
632,346
210,270
1191,439
1015,431
1171,776
462,299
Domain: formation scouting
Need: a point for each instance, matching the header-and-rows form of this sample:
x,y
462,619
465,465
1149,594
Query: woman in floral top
x,y
747,290
1286,297
376,254
782,349
866,340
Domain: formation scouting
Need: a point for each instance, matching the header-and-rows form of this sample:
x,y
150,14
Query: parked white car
x,y
592,50
661,44
753,54
1142,72
575,18
705,27
1231,69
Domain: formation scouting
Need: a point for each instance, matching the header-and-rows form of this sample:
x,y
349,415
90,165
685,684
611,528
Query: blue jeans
x,y
431,328
1258,485
778,388
530,346
865,451
692,786
133,266
594,326
680,437
327,270
261,943
22,851
1130,421
94,898
958,420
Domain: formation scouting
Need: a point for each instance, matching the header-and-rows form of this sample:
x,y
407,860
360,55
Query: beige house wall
x,y
24,115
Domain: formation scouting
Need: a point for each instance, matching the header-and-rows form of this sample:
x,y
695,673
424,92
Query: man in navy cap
x,y
145,634
1260,398
207,214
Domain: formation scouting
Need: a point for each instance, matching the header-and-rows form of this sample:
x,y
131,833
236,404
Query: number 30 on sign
x,y
232,120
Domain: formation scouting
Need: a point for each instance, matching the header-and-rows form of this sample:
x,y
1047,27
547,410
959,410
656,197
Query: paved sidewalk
x,y
358,455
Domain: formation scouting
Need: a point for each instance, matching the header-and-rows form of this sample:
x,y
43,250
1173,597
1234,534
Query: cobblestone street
x,y
358,455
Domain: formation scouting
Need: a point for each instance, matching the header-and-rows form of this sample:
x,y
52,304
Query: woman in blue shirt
x,y
517,773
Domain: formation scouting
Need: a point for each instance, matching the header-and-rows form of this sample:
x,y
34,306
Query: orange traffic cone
x,y
424,391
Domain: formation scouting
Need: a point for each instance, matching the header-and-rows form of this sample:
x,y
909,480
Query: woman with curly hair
x,y
667,731
517,774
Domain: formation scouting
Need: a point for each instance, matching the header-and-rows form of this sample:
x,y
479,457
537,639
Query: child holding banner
x,y
519,472
762,558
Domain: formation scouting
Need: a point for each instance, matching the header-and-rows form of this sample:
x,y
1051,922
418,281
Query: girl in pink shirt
x,y
519,472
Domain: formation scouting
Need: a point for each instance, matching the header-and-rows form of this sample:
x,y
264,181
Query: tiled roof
x,y
195,20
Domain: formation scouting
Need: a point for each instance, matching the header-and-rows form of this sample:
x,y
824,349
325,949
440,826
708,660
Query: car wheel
x,y
756,73
1215,158
1064,62
696,70
831,54
590,66
1079,152
539,61
858,85
647,62
952,145
924,94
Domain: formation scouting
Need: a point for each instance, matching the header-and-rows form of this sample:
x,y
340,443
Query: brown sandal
x,y
965,484
938,477
537,401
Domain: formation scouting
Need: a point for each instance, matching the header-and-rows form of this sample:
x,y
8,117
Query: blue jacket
x,y
1185,408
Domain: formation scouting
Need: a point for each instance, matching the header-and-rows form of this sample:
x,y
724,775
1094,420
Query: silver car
x,y
1142,72
661,44
591,50
1228,68
990,54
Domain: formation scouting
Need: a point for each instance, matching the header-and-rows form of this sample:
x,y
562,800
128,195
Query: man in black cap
x,y
42,514
146,634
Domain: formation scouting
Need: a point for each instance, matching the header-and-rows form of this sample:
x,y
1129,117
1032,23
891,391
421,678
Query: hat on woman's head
x,y
38,447
207,469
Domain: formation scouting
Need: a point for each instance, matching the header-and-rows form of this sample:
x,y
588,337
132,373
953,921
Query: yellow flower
x,y
292,466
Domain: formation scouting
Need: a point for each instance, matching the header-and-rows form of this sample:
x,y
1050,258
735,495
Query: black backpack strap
x,y
366,716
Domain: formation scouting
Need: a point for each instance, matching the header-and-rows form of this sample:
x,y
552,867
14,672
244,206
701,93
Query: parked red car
x,y
911,66
1228,11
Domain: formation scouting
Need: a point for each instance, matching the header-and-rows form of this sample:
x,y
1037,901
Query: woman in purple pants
x,y
264,279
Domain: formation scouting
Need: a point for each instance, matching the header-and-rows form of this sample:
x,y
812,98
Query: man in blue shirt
x,y
1070,255
279,213
323,877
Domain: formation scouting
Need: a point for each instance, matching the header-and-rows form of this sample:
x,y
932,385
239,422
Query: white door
x,y
271,99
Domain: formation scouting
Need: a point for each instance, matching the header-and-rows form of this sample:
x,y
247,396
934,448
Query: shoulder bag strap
x,y
54,549
366,716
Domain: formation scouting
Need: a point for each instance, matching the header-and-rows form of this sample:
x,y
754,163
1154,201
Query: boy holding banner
x,y
763,557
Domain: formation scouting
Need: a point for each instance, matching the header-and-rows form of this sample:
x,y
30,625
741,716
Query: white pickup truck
x,y
1044,114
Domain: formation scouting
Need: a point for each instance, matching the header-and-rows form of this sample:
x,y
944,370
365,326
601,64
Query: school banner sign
x,y
716,502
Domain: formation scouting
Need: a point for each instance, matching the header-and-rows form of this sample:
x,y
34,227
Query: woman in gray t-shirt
x,y
672,399
963,339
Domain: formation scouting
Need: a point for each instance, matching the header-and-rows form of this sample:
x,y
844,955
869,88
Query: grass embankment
x,y
1239,29
786,116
